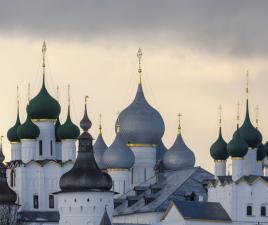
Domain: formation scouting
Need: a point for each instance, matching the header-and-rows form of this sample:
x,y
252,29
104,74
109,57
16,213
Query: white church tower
x,y
85,197
142,128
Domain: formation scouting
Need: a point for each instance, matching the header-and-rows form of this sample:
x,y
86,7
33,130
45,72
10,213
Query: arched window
x,y
51,148
12,178
40,148
51,201
35,202
132,176
263,210
249,210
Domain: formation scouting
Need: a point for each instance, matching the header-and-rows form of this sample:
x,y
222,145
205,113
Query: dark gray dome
x,y
160,151
140,123
7,195
179,156
99,149
118,155
85,174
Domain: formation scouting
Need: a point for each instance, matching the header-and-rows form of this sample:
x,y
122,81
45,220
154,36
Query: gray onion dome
x,y
160,151
179,156
140,123
99,149
118,155
85,174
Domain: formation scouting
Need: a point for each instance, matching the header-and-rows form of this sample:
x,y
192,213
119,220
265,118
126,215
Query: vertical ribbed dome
x,y
179,156
7,195
12,132
140,123
99,149
237,147
248,132
28,130
85,174
218,150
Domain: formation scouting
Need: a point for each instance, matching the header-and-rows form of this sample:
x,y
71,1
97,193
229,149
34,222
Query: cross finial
x,y
1,140
238,113
86,98
29,92
100,126
117,123
220,114
179,120
58,93
69,95
44,49
257,116
18,97
247,82
139,55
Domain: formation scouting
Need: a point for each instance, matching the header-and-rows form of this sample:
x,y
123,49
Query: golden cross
x,y
179,127
238,113
257,116
29,92
86,98
44,49
220,114
58,93
69,95
139,55
247,82
100,127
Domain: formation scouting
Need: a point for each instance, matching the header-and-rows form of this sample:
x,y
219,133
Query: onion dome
x,y
260,152
237,147
248,132
7,195
160,151
179,156
218,150
12,132
68,130
140,123
118,155
57,125
266,148
85,174
28,130
99,149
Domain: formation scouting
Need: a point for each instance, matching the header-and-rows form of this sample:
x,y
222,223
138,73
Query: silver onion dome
x,y
140,123
179,156
118,155
99,148
160,151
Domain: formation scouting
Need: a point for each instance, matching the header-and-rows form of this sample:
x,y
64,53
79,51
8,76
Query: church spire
x,y
238,114
257,116
139,55
179,123
44,49
100,126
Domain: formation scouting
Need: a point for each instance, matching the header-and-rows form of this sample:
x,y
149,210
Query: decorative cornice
x,y
27,139
15,142
44,120
141,145
220,161
63,140
237,158
117,169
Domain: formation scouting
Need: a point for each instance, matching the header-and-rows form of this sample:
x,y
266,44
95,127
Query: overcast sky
x,y
196,54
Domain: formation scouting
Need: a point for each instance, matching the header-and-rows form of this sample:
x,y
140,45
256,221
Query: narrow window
x,y
249,210
113,185
124,188
40,148
51,201
12,178
263,210
144,174
35,202
51,148
132,176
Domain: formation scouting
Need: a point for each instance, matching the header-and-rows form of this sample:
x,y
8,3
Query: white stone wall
x,y
84,208
250,162
220,168
121,180
28,148
68,150
143,169
47,135
139,218
15,151
58,151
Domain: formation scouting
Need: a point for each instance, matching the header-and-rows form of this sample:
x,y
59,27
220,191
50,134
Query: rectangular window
x,y
51,201
249,210
263,210
51,148
35,202
132,176
40,148
144,174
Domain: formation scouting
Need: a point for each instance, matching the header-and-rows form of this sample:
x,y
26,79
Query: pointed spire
x,y
247,82
139,55
238,114
117,124
257,116
29,92
69,97
44,49
220,118
58,93
179,122
85,123
100,126
2,157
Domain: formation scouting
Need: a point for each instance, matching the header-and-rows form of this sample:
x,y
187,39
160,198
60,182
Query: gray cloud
x,y
233,27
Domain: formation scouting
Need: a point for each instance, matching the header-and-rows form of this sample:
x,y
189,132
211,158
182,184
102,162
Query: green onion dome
x,y
266,148
44,106
68,130
57,125
260,152
218,150
28,130
12,132
248,132
237,147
